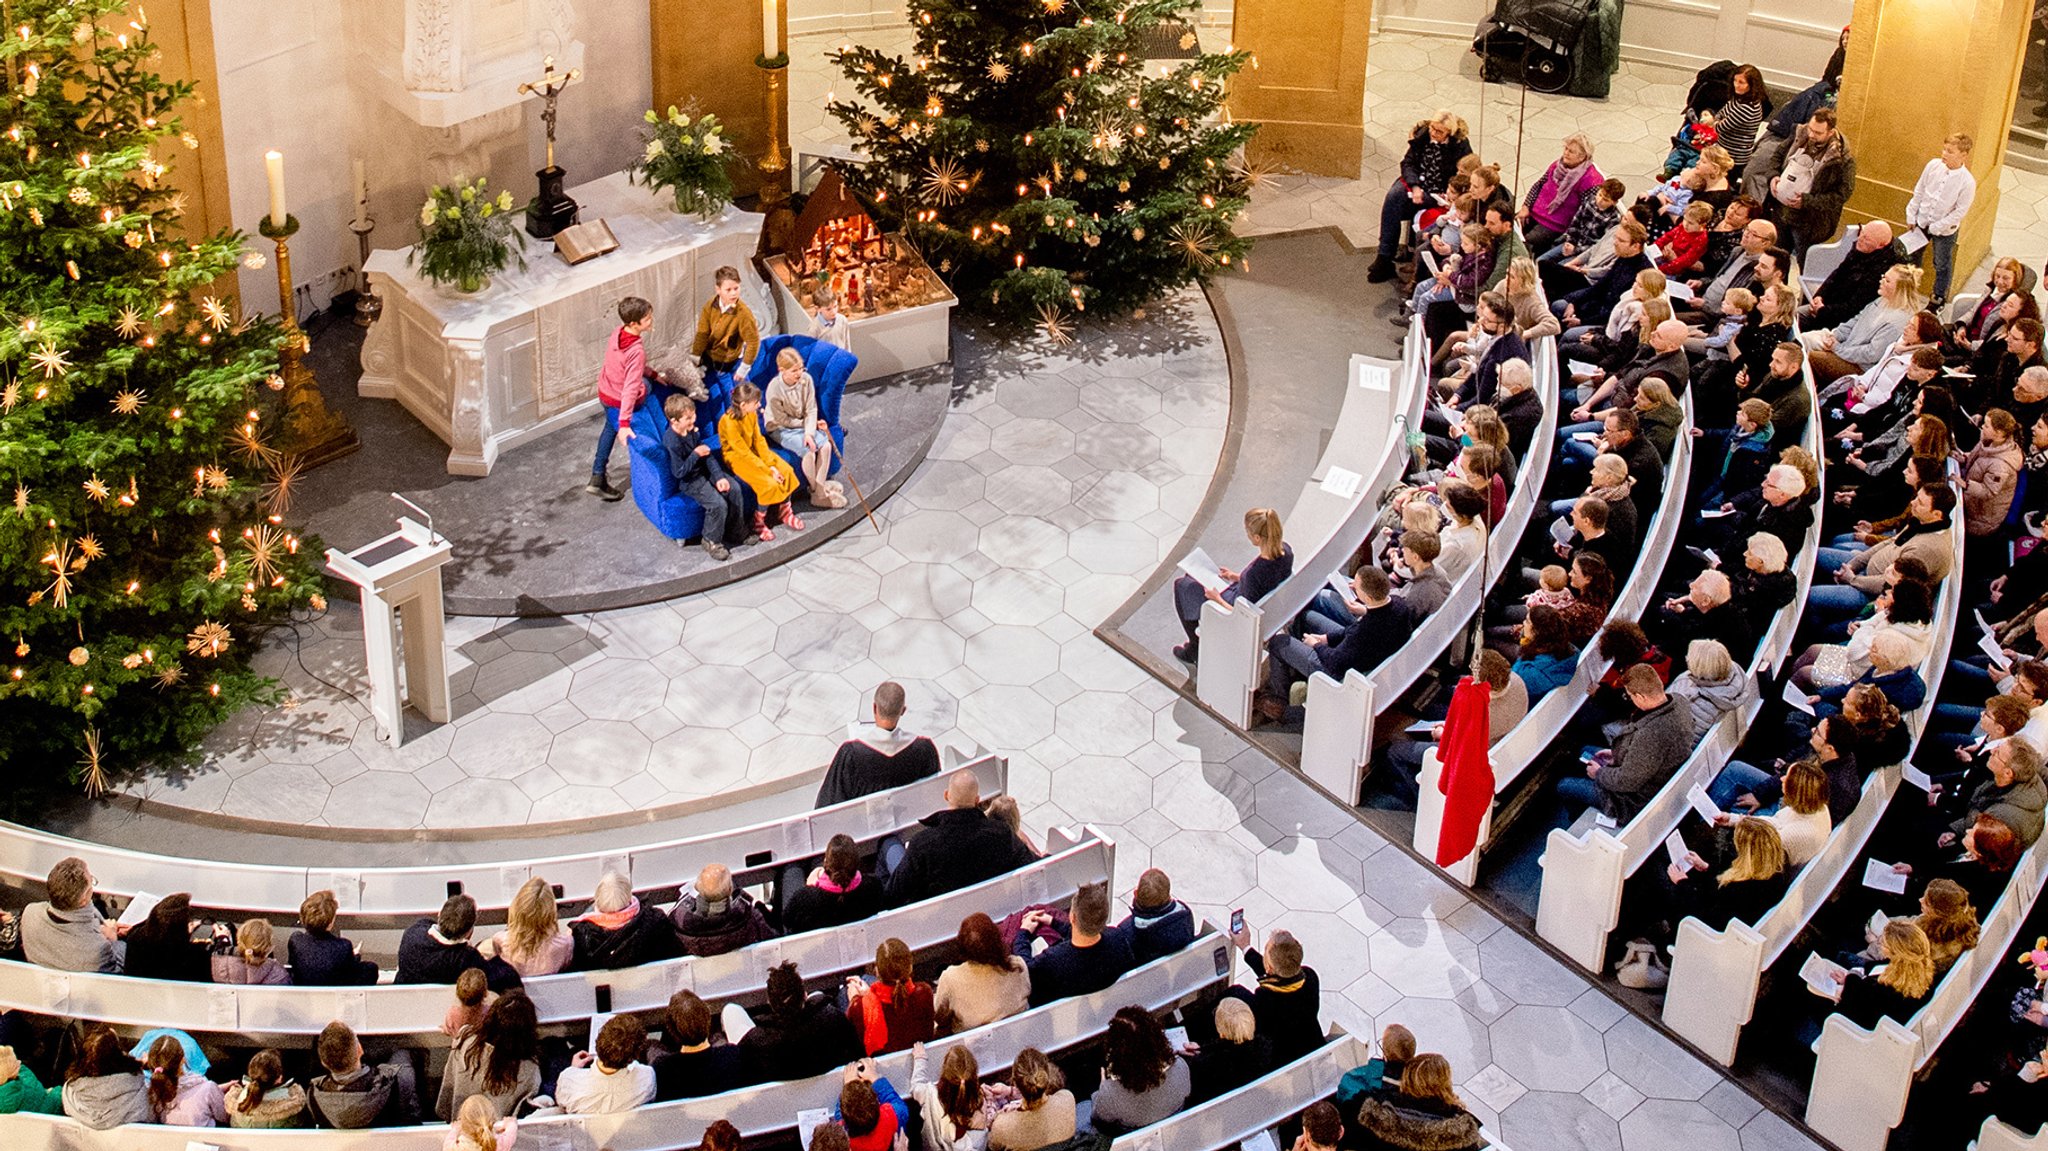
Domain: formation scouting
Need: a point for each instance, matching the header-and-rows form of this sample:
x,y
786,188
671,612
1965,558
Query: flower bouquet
x,y
465,236
685,154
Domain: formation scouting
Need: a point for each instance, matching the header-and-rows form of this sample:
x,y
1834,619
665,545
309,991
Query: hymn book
x,y
585,241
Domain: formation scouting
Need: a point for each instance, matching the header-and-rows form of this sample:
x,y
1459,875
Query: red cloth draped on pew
x,y
1467,778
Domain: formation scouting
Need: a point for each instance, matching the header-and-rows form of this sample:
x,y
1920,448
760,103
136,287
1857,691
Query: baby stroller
x,y
1533,38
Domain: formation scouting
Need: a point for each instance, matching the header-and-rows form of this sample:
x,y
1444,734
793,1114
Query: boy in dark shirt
x,y
1089,960
702,477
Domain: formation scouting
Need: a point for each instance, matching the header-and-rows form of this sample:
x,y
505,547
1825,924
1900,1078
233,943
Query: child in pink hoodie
x,y
620,386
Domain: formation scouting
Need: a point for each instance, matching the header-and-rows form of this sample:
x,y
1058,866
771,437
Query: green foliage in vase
x,y
143,545
1039,160
465,235
684,153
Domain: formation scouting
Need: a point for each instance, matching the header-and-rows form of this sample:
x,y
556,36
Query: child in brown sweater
x,y
727,337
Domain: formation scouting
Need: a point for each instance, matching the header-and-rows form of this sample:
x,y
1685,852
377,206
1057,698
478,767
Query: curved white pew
x,y
759,1111
1336,739
1388,401
1530,738
1580,900
292,1015
1260,1105
1862,1077
752,852
1996,1136
1715,975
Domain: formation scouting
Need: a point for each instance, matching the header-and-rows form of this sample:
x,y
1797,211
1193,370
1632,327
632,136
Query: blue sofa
x,y
655,490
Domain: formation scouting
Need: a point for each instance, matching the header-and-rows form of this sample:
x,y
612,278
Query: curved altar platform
x,y
530,542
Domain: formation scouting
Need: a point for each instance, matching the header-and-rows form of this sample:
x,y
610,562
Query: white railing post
x,y
1227,669
1714,977
1581,897
1860,1082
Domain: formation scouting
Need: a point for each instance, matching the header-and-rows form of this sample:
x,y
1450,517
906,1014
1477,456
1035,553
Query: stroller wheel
x,y
1548,72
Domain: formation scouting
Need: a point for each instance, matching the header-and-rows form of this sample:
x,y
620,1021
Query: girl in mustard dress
x,y
748,456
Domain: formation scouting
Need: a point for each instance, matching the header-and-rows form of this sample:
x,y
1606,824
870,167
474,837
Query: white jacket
x,y
1941,198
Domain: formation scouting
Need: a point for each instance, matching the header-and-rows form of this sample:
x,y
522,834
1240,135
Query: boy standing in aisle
x,y
1941,198
620,386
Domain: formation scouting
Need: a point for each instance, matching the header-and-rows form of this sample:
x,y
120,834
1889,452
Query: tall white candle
x,y
273,162
362,187
771,29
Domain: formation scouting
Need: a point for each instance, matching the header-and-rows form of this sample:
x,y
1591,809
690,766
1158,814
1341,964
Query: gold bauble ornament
x,y
78,656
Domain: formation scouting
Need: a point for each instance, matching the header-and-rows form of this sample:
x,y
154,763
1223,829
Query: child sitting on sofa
x,y
748,456
703,479
791,417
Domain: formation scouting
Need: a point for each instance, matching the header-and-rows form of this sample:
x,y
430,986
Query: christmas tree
x,y
1040,162
144,544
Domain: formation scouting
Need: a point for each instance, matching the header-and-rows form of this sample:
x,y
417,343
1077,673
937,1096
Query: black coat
x,y
811,908
1853,284
815,1039
955,849
1480,386
324,959
1521,412
645,938
424,959
1449,153
1221,1066
860,769
1369,640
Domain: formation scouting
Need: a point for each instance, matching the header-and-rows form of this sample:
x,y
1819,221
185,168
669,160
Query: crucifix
x,y
552,210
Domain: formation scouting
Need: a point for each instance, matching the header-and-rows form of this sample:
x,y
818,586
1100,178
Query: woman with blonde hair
x,y
1747,888
1802,817
1858,344
1659,415
1435,146
1946,917
1274,564
251,961
534,941
477,1127
1988,320
1422,1114
1895,988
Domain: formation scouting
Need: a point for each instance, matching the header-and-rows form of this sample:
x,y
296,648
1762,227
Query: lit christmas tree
x,y
144,542
1041,163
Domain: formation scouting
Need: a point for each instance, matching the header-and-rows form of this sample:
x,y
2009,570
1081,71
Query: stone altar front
x,y
489,371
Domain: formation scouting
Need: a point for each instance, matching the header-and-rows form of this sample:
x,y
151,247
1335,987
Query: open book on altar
x,y
585,241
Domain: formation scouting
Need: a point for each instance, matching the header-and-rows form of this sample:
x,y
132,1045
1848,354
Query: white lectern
x,y
400,575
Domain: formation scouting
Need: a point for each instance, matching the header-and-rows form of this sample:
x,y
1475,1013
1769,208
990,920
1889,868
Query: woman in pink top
x,y
534,941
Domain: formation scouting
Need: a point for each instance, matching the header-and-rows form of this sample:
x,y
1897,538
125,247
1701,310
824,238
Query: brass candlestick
x,y
369,305
774,181
311,432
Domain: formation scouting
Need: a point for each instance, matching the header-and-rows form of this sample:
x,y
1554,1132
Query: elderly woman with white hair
x,y
1762,585
1712,685
621,930
1893,671
1519,407
1548,207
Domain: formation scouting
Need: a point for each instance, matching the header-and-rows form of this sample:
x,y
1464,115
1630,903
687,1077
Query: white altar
x,y
489,371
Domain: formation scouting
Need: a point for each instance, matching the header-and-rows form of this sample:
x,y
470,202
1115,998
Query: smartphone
x,y
1237,922
558,891
604,999
454,888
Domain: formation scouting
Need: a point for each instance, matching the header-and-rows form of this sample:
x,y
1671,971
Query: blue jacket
x,y
886,1093
1904,688
1542,674
1156,932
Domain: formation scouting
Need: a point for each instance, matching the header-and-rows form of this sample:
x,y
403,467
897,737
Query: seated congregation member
x,y
250,960
1895,988
1399,766
1578,298
989,983
438,950
1496,319
1547,658
696,1067
1143,1080
319,956
1158,925
1596,215
1776,507
1088,960
1857,345
1590,516
1043,1113
1425,588
1832,745
1422,1113
701,473
178,1095
1462,541
1706,611
477,1126
105,1087
1783,386
956,1108
1854,283
1747,888
955,848
795,1035
2015,795
21,1093
1274,563
610,1077
534,942
352,1094
65,931
1894,671
1945,917
1802,818
1287,1001
263,1098
162,945
1236,1056
1434,148
1712,685
620,929
1376,627
748,457
1555,198
1906,607
1762,586
1649,747
1518,405
714,917
870,1111
895,1010
498,1059
836,893
789,414
1981,863
881,755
